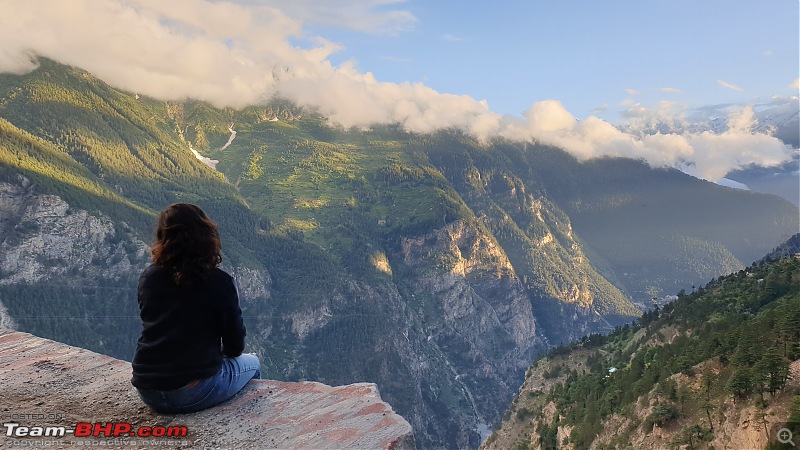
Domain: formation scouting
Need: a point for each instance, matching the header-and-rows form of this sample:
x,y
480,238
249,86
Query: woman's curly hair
x,y
187,242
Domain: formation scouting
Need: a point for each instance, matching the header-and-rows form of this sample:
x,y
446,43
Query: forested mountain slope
x,y
718,367
432,265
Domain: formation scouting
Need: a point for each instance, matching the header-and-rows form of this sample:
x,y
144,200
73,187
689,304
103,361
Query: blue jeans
x,y
231,378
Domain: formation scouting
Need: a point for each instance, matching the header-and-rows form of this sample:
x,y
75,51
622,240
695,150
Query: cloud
x,y
664,117
230,54
669,89
368,16
227,53
633,92
795,84
245,52
704,154
743,120
728,85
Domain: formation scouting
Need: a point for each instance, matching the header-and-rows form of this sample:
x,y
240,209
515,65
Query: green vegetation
x,y
104,313
732,340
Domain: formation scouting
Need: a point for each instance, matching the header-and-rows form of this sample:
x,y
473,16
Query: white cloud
x,y
669,89
742,121
728,85
369,16
633,92
227,53
703,154
795,84
640,118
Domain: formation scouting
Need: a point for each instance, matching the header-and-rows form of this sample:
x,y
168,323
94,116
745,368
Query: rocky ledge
x,y
50,389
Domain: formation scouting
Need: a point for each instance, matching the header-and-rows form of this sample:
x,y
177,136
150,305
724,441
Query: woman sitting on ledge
x,y
189,356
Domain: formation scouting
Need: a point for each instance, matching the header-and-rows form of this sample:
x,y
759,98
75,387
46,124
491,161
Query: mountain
x,y
783,120
432,265
787,249
778,117
716,368
783,180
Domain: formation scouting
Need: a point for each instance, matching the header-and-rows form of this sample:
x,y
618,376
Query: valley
x,y
434,265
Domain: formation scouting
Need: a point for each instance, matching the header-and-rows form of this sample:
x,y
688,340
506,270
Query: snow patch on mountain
x,y
732,184
205,160
230,139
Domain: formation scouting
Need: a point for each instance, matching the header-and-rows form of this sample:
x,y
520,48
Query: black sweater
x,y
183,327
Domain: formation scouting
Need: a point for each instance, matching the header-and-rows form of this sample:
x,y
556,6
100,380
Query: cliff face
x,y
42,238
478,289
50,385
569,295
252,284
55,263
447,336
478,318
63,265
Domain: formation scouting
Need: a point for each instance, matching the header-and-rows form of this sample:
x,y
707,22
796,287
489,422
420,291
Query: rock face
x,y
42,237
480,277
49,384
486,324
483,324
252,284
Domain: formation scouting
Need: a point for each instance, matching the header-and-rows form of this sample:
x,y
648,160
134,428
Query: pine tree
x,y
772,370
740,383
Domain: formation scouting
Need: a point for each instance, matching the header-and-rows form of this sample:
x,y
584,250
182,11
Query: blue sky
x,y
592,56
595,78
